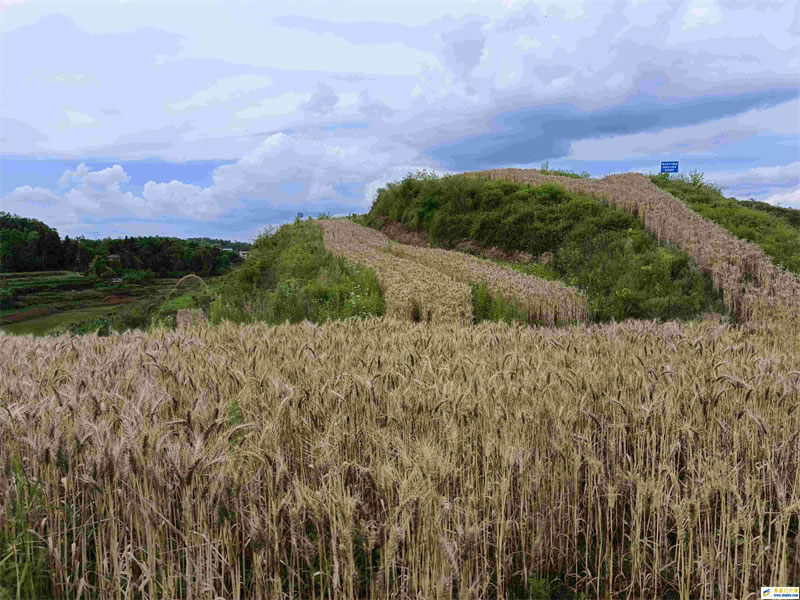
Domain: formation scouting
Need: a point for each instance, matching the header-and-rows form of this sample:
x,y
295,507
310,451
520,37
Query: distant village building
x,y
113,257
243,253
227,249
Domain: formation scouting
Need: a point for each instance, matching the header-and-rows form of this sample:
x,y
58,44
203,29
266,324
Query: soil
x,y
110,300
27,314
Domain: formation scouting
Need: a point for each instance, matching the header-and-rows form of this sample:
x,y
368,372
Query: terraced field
x,y
39,303
434,277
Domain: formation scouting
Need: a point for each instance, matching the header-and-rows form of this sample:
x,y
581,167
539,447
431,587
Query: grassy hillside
x,y
290,275
774,229
599,249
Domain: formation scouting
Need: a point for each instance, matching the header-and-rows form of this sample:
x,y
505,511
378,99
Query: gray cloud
x,y
530,135
322,100
462,43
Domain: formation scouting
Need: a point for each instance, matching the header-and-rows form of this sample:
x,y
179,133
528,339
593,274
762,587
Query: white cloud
x,y
79,119
758,177
788,200
224,90
26,194
42,204
701,12
280,158
527,42
275,106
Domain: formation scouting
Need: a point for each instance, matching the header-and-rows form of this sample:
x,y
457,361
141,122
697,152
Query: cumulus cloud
x,y
788,200
322,173
280,158
40,203
26,194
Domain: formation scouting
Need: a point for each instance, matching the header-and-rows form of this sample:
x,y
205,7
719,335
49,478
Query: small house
x,y
243,253
113,257
227,249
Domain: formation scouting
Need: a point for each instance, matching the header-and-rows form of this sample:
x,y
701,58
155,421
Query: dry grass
x,y
410,289
752,286
382,459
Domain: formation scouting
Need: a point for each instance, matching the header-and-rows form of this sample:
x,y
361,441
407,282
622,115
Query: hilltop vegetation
x,y
595,247
774,229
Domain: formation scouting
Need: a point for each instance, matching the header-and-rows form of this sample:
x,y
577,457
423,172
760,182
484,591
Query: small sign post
x,y
669,166
299,215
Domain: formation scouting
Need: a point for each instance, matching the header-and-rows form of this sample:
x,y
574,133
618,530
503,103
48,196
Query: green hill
x,y
595,247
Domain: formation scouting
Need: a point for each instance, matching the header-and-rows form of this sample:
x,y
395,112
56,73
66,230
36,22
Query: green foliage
x,y
791,216
137,275
100,325
27,245
30,245
775,230
137,315
290,276
486,307
23,556
601,250
546,170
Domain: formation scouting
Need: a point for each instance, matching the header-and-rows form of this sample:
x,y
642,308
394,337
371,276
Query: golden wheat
x,y
409,288
380,458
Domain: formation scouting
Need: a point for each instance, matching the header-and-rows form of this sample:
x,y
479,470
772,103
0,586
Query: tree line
x,y
30,245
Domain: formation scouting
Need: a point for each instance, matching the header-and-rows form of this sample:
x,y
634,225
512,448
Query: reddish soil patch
x,y
400,233
27,314
110,300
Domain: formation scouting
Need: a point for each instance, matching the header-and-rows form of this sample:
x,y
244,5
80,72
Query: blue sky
x,y
222,119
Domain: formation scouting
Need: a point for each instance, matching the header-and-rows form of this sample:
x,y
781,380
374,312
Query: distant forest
x,y
30,245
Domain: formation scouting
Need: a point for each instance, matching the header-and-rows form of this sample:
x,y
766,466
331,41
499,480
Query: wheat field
x,y
387,459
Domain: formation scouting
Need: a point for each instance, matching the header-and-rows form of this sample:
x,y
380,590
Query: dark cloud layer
x,y
529,135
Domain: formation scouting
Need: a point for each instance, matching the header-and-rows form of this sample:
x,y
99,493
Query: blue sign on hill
x,y
669,166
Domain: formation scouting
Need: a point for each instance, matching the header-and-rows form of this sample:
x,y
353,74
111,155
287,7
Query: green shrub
x,y
486,307
290,276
